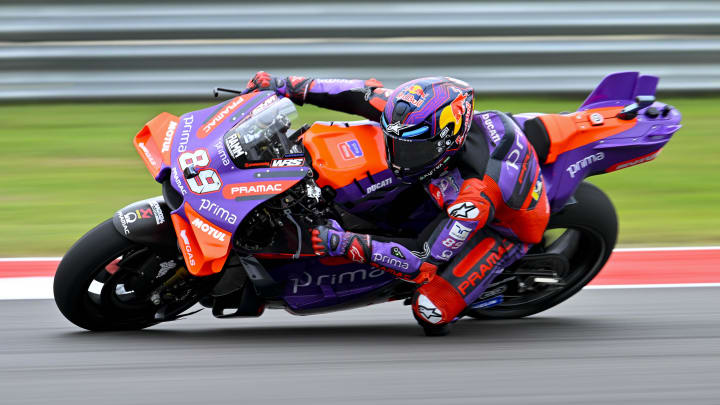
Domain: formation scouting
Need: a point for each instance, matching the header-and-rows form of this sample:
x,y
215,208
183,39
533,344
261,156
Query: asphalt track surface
x,y
650,345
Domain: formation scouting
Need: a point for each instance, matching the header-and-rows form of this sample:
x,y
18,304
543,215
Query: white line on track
x,y
34,288
26,288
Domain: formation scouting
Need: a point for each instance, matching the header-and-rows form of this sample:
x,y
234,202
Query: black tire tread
x,y
75,272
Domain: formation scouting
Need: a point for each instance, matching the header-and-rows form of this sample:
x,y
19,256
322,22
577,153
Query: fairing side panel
x,y
316,283
217,198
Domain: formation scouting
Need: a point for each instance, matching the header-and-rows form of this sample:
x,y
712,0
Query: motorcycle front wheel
x,y
106,282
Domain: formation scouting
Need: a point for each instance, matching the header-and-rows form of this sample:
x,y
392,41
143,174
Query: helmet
x,y
425,122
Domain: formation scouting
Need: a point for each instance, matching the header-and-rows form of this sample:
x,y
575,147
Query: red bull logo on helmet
x,y
414,95
416,90
454,113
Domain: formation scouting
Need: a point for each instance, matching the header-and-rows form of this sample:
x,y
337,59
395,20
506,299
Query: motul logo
x,y
204,227
220,116
167,141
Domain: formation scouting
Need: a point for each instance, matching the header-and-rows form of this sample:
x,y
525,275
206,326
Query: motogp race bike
x,y
241,189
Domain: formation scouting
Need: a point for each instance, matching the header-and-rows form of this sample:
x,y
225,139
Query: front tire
x,y
107,282
589,233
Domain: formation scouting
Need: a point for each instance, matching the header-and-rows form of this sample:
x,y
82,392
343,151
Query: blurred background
x,y
79,78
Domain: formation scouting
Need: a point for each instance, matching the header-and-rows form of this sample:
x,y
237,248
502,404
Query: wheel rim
x,y
583,248
136,287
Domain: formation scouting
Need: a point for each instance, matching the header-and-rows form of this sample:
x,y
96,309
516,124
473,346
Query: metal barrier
x,y
180,49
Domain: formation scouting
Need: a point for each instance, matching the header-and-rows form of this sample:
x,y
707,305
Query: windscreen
x,y
264,136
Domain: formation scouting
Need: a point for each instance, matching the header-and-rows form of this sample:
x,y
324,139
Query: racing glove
x,y
332,240
391,257
293,87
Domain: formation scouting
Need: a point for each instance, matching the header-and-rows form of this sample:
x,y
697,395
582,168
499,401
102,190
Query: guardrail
x,y
183,49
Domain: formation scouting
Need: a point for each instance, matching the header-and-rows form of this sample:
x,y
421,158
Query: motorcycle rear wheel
x,y
589,233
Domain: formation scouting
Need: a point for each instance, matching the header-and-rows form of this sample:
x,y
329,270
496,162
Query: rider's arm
x,y
418,261
366,98
468,213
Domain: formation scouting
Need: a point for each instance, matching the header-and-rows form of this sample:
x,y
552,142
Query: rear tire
x,y
593,223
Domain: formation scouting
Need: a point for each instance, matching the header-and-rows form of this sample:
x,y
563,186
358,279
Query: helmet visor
x,y
412,155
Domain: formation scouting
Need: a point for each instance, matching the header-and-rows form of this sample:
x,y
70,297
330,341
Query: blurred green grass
x,y
67,167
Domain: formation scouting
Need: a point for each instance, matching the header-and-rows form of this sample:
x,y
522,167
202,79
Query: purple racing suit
x,y
491,196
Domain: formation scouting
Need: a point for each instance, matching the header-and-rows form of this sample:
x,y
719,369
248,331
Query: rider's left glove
x,y
293,87
332,240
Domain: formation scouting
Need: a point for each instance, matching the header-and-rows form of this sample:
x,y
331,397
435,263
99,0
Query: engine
x,y
280,224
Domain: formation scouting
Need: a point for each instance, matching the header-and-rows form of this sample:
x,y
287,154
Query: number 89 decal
x,y
207,180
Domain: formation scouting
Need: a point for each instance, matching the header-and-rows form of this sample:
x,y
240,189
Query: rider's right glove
x,y
293,87
332,240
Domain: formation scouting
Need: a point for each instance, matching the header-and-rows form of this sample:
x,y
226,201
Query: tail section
x,y
618,126
620,89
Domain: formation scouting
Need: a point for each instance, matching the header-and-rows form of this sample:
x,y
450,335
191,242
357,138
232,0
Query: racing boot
x,y
426,307
435,305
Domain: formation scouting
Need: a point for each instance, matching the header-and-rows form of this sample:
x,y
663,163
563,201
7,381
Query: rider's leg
x,y
465,277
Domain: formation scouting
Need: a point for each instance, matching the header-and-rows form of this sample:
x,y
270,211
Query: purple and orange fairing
x,y
350,158
206,220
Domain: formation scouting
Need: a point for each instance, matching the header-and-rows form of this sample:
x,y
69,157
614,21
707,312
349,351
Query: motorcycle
x,y
241,189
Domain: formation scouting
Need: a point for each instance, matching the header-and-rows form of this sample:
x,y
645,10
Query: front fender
x,y
146,222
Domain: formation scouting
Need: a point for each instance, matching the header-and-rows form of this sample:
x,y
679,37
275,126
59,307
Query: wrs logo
x,y
293,162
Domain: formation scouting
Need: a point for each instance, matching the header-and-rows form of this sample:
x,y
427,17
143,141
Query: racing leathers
x,y
491,196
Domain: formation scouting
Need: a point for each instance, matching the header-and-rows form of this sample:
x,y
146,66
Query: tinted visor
x,y
412,155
